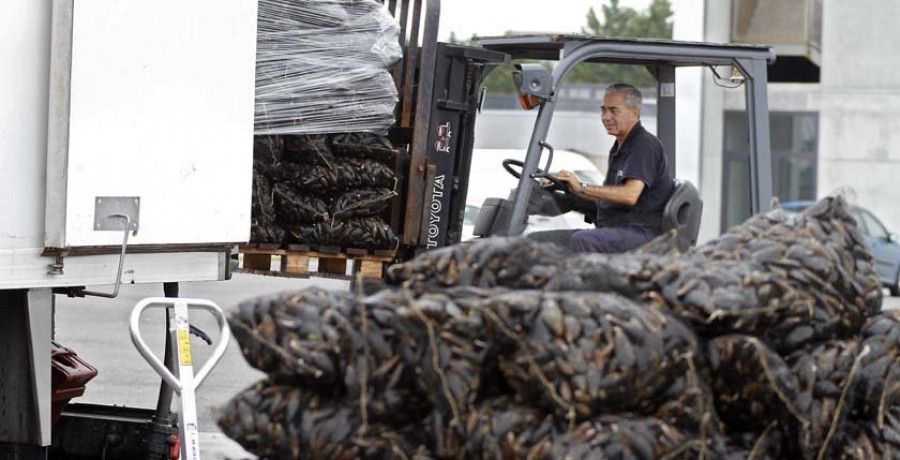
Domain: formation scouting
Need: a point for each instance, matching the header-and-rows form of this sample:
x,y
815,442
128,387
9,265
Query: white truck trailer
x,y
113,113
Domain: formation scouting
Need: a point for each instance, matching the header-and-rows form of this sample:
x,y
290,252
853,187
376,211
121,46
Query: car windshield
x,y
591,177
874,227
471,215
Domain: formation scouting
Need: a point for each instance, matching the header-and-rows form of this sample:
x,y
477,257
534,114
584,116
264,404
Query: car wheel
x,y
895,287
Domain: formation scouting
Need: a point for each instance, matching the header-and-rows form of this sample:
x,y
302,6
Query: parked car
x,y
884,244
488,179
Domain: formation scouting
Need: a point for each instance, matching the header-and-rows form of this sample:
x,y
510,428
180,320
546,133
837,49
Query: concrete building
x,y
834,104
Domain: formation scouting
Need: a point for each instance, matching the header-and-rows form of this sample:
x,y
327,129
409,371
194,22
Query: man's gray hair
x,y
633,96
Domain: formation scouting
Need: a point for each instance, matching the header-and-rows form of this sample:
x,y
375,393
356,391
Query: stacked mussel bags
x,y
796,356
765,343
468,373
323,190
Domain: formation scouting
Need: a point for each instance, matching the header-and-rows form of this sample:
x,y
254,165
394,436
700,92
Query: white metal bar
x,y
40,325
142,348
187,416
155,362
25,268
115,292
58,123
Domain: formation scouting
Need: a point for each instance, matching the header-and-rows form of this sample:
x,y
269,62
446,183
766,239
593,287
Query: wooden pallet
x,y
297,263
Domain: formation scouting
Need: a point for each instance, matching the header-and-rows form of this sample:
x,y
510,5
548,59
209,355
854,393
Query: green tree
x,y
499,80
624,22
615,21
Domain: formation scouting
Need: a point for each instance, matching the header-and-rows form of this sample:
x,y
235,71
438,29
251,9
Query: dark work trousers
x,y
611,239
607,240
559,237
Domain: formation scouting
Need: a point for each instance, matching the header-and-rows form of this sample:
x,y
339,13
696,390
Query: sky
x,y
494,17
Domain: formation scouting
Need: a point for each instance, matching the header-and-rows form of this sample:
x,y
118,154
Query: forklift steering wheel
x,y
556,184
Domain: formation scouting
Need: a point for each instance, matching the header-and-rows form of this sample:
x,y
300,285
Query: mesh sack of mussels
x,y
295,177
263,225
819,251
442,338
295,207
499,428
343,174
321,339
753,445
720,297
509,262
268,153
504,429
620,437
278,421
753,386
867,440
879,380
386,358
307,149
364,233
827,376
321,149
717,296
581,355
361,203
364,146
688,404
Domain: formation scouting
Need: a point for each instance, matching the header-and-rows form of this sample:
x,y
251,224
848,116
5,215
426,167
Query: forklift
x,y
450,97
538,88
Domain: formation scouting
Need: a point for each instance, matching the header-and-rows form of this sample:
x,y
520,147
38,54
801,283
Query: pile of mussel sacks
x,y
323,190
766,343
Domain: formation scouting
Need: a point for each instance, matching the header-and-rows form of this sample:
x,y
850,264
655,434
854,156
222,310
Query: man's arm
x,y
626,194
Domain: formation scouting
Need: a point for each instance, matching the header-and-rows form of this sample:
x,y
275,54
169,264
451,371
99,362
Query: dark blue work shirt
x,y
640,157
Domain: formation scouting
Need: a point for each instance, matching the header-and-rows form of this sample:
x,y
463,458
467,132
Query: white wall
x,y
689,26
860,118
24,78
717,21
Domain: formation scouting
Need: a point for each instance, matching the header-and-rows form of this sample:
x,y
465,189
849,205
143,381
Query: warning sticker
x,y
184,348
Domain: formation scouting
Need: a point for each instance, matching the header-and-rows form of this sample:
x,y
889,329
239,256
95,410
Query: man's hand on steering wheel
x,y
548,181
570,180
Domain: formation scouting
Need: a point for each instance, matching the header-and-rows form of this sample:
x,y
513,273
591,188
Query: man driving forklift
x,y
631,200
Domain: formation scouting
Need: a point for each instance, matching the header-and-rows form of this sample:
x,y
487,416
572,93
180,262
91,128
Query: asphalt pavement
x,y
97,329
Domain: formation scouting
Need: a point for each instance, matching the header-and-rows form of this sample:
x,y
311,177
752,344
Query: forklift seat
x,y
683,212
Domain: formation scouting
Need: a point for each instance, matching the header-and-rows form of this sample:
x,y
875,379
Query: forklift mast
x,y
439,92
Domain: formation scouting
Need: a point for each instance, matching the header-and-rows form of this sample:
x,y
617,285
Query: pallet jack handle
x,y
155,362
186,383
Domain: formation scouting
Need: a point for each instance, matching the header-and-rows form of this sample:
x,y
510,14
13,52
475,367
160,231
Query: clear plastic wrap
x,y
323,66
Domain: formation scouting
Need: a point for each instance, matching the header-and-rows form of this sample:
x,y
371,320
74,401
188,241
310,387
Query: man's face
x,y
618,119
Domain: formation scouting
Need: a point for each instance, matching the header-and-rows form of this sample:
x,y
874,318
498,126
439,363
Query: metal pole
x,y
532,159
755,73
665,117
156,445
